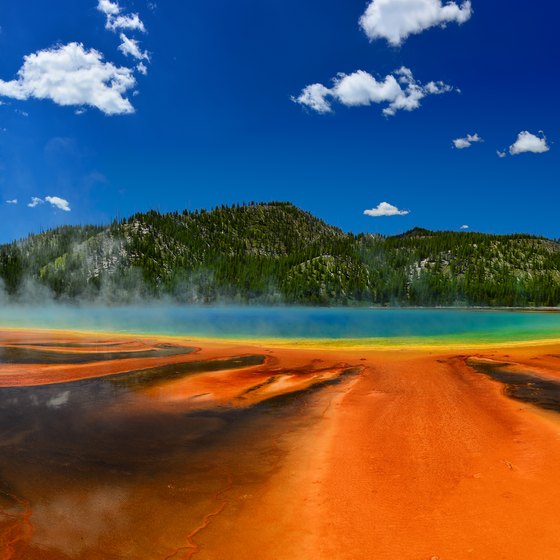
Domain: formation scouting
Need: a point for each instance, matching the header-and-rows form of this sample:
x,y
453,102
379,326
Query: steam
x,y
130,289
75,521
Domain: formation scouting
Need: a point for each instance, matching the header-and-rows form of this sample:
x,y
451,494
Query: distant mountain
x,y
277,253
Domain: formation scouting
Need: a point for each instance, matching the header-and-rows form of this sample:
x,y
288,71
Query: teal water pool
x,y
295,323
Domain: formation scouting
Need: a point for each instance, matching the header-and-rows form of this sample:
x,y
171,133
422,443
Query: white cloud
x,y
115,20
109,8
464,227
385,209
395,20
501,153
131,22
315,97
400,91
361,88
130,47
13,201
461,143
55,201
71,75
467,141
142,68
58,202
527,142
35,201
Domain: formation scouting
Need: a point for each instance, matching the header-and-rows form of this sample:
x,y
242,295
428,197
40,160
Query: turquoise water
x,y
294,323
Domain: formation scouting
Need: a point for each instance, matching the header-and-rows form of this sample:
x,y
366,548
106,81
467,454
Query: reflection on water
x,y
107,468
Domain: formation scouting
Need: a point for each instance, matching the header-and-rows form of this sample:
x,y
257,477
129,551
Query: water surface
x,y
295,323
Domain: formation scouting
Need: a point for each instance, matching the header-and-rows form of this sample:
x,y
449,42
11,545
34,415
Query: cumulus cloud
x,y
130,47
501,153
395,20
399,91
467,141
35,201
58,202
116,20
109,8
385,209
464,227
527,142
72,75
315,97
12,201
142,68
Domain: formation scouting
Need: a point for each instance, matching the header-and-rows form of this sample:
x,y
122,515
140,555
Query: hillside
x,y
277,253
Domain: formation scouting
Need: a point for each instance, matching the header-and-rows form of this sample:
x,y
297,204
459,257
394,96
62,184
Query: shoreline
x,y
319,344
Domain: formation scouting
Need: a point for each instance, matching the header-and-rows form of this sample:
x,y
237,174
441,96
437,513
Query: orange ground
x,y
416,458
419,458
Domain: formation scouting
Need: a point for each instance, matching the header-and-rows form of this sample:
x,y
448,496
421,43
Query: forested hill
x,y
277,253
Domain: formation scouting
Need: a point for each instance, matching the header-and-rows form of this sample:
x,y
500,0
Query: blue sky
x,y
216,119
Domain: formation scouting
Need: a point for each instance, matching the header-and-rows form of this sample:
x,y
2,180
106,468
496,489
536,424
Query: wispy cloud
x,y
501,153
467,141
118,21
130,47
529,143
35,201
115,20
72,75
395,20
385,209
142,68
398,91
131,22
12,201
